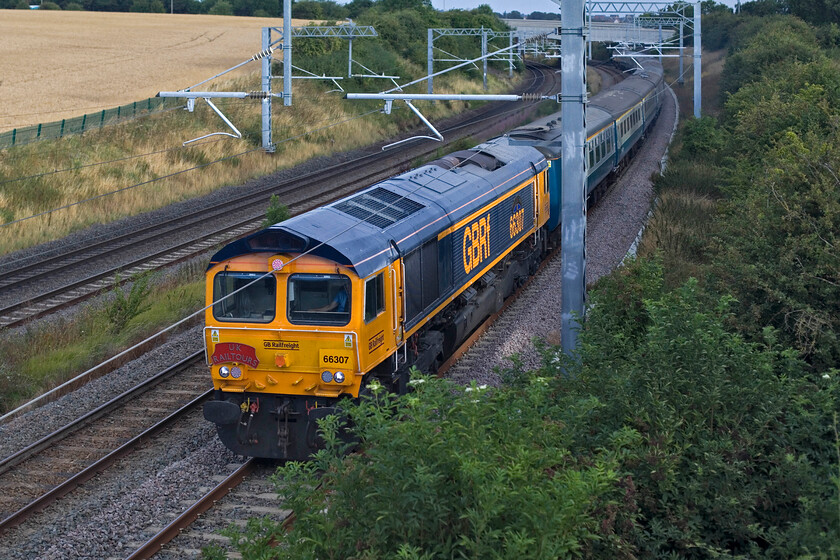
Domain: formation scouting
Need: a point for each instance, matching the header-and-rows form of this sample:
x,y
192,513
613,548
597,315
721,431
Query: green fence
x,y
90,121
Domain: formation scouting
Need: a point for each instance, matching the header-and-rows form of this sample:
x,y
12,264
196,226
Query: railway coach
x,y
314,309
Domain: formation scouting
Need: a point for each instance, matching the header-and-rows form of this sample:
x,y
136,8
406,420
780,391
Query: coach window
x,y
374,297
319,299
244,297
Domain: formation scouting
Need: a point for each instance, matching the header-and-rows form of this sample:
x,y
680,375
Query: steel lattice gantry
x,y
665,20
273,36
485,34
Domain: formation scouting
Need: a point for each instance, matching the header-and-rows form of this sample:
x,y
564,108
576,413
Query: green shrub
x,y
126,306
703,139
276,212
777,246
775,45
735,454
445,472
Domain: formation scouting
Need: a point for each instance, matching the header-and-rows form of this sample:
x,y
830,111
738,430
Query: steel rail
x,y
98,466
153,545
198,216
103,281
98,412
541,76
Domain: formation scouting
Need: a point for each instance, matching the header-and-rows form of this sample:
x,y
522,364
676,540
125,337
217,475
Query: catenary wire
x,y
514,109
196,313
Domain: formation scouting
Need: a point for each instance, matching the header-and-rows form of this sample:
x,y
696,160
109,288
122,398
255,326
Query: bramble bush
x,y
444,472
736,450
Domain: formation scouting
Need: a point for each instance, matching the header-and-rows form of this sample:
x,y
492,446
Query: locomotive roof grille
x,y
379,207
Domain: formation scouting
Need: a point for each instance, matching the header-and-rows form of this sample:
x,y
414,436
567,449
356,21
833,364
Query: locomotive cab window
x,y
374,297
319,299
256,303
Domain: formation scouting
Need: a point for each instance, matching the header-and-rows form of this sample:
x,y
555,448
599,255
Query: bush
x,y
126,307
445,472
671,438
703,139
770,51
276,212
734,453
777,247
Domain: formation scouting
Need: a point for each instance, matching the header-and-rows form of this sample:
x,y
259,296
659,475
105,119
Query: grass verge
x,y
48,353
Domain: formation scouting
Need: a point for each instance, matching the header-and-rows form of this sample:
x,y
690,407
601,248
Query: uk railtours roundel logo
x,y
235,352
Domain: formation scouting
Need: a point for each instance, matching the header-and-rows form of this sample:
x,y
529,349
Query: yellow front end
x,y
282,345
273,352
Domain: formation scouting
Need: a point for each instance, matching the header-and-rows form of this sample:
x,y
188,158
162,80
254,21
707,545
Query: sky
x,y
524,6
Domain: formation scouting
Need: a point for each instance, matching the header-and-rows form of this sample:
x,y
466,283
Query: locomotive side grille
x,y
379,207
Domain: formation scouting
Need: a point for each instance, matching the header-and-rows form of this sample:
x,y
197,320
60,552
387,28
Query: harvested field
x,y
63,64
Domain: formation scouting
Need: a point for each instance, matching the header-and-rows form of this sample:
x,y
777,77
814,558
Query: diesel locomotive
x,y
314,309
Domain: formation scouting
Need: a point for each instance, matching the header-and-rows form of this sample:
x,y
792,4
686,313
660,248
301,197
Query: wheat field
x,y
59,65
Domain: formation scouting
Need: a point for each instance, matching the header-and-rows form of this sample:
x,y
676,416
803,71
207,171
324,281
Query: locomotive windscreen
x,y
255,303
319,299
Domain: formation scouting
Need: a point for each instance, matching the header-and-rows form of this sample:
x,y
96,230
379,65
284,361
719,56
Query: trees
x,y
776,244
817,12
147,6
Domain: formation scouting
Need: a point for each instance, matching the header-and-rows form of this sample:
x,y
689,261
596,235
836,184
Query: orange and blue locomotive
x,y
314,309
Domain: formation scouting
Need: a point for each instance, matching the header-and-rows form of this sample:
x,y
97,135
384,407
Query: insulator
x,y
258,95
263,54
531,97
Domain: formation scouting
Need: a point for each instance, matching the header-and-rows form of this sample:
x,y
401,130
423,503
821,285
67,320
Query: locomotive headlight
x,y
326,376
236,372
224,371
339,377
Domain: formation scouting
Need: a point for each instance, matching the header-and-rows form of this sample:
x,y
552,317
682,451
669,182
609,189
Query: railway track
x,y
36,476
610,74
248,492
245,493
151,247
255,496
